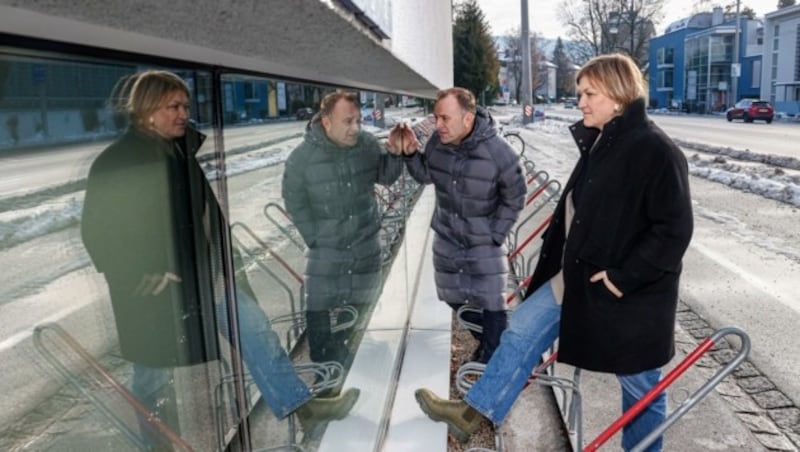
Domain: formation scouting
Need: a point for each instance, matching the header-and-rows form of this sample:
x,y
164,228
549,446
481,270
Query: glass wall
x,y
178,263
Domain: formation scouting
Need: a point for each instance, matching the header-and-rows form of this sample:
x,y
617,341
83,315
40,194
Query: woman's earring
x,y
153,121
616,108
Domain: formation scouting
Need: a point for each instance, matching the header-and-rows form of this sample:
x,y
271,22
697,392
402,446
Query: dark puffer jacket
x,y
329,193
480,191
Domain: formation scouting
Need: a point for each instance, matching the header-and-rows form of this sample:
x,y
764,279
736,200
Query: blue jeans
x,y
633,388
267,361
154,387
531,331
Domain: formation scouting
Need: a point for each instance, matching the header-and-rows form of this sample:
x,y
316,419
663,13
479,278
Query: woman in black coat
x,y
151,224
606,283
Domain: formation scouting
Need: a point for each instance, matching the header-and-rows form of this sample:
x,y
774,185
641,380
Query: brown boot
x,y
320,410
462,419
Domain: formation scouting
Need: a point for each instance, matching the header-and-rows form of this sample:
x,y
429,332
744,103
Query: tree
x,y
785,3
513,60
565,75
745,12
608,26
475,62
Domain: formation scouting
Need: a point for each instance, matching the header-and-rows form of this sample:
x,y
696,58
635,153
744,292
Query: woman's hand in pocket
x,y
603,276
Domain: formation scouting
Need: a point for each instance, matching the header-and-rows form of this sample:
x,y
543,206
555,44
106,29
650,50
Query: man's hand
x,y
155,283
402,140
603,275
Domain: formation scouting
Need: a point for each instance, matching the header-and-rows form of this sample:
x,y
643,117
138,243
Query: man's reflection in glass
x,y
150,221
328,190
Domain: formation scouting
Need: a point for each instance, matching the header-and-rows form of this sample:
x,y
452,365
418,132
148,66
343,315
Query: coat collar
x,y
633,116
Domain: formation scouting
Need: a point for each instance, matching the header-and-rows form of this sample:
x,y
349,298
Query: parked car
x,y
303,113
571,102
750,110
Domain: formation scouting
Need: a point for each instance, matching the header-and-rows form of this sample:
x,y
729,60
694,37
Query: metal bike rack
x,y
571,410
687,404
290,233
151,418
296,308
515,140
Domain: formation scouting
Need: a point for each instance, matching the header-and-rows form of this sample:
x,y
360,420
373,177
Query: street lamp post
x,y
735,67
525,99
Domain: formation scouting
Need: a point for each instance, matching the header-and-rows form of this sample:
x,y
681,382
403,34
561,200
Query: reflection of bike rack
x,y
151,418
296,308
571,409
516,142
288,232
326,375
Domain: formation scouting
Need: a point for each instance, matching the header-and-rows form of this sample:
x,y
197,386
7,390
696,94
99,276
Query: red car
x,y
750,110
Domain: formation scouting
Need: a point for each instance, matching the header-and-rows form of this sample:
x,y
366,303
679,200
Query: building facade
x,y
780,70
692,63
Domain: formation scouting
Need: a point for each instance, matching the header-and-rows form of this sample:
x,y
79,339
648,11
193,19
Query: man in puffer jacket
x,y
480,191
328,190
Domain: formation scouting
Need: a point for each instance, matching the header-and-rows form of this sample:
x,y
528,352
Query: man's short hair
x,y
330,100
464,97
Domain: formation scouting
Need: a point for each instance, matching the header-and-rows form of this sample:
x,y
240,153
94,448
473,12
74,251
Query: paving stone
x,y
756,385
743,404
787,418
685,316
723,356
730,389
745,370
758,423
794,438
775,442
701,333
694,324
707,361
772,399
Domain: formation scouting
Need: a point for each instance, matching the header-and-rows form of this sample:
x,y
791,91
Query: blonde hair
x,y
616,76
148,91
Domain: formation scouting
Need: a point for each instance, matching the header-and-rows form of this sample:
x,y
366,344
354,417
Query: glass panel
x,y
317,208
109,288
114,211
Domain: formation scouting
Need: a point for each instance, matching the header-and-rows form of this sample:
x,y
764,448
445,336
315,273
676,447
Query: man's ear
x,y
326,123
469,118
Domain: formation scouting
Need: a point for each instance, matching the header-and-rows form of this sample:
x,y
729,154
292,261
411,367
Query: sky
x,y
503,15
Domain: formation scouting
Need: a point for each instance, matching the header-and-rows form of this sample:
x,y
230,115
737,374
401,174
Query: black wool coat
x,y
633,218
148,210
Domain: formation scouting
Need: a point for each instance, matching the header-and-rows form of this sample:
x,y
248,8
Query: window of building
x,y
666,78
666,55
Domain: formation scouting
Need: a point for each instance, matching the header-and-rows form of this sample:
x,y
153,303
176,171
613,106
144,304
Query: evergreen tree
x,y
475,62
565,74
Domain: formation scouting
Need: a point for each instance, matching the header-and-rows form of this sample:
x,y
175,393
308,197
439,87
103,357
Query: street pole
x,y
527,107
735,69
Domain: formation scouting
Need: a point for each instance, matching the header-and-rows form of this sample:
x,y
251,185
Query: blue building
x,y
691,64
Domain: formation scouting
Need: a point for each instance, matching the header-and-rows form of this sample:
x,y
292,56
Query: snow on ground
x,y
771,176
